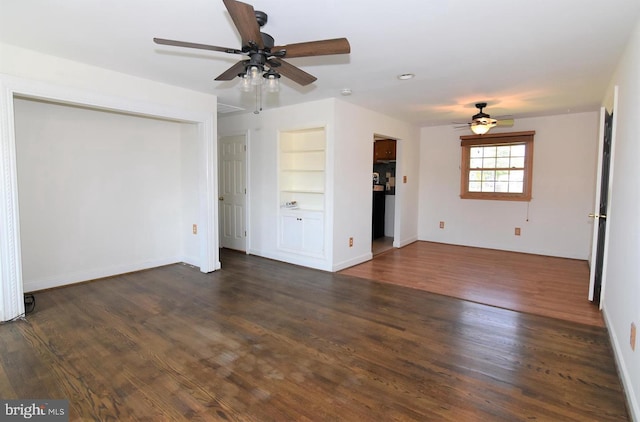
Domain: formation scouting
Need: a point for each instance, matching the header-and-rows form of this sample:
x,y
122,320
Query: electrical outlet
x,y
351,242
404,179
195,229
632,337
442,224
517,231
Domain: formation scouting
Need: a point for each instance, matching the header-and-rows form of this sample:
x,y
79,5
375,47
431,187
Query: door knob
x,y
221,198
597,216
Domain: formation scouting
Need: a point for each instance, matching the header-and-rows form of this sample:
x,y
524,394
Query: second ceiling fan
x,y
481,122
265,59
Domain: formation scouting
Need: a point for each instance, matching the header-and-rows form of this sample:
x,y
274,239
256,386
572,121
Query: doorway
x,y
598,259
10,253
232,192
383,193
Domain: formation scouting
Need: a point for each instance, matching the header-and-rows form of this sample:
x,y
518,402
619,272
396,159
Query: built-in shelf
x,y
302,168
301,180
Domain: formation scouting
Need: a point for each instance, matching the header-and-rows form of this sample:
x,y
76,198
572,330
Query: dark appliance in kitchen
x,y
377,220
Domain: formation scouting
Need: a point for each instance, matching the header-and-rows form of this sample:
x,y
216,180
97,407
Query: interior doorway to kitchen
x,y
383,193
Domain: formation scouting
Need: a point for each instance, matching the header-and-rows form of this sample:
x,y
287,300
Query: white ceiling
x,y
523,58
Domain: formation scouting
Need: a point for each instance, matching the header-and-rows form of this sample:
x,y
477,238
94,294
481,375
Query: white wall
x,y
554,223
36,66
190,247
100,193
38,75
621,302
350,131
355,129
262,161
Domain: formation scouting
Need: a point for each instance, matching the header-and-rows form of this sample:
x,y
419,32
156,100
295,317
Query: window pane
x,y
516,175
503,151
489,176
475,186
489,152
488,187
517,150
502,186
475,163
502,163
475,176
517,162
476,152
489,163
502,175
515,187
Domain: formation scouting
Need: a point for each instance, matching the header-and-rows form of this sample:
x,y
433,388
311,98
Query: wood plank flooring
x,y
262,340
541,285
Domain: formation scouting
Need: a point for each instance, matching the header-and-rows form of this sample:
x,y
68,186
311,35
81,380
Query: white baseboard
x,y
194,261
292,258
353,261
404,242
80,276
632,396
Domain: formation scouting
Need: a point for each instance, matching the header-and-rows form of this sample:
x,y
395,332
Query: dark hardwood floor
x,y
541,285
262,340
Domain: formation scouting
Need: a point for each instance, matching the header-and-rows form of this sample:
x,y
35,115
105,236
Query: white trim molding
x,y
11,289
11,283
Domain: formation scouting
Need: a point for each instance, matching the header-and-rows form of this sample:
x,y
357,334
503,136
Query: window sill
x,y
496,197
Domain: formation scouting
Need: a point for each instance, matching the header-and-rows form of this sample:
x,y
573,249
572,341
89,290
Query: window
x,y
497,166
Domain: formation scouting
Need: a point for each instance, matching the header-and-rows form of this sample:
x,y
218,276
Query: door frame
x,y
596,209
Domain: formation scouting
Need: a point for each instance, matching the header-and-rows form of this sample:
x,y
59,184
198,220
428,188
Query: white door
x,y
232,192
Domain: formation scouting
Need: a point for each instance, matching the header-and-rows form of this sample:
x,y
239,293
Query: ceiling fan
x,y
265,59
481,122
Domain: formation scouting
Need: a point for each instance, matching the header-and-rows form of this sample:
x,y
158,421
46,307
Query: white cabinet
x,y
301,187
302,231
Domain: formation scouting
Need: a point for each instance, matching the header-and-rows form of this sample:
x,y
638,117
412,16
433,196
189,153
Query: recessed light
x,y
406,76
345,92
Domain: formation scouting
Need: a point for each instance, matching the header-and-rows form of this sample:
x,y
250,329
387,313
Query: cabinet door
x,y
384,150
313,234
379,151
291,232
302,232
392,150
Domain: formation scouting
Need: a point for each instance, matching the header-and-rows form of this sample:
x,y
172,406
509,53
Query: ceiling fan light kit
x,y
265,63
272,79
482,123
481,128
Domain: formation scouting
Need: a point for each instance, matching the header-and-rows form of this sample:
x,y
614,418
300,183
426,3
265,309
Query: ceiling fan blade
x,y
292,72
244,18
233,71
196,45
505,123
315,48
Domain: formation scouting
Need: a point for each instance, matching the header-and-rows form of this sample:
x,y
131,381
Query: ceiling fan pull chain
x,y
258,101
